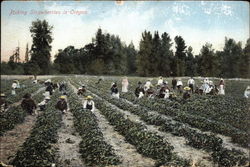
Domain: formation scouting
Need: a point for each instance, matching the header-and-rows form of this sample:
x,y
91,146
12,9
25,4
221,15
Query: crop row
x,y
172,109
14,115
147,143
194,138
93,148
37,150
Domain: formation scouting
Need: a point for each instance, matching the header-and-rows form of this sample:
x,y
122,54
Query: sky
x,y
76,22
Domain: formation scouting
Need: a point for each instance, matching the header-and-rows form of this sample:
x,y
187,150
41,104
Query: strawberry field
x,y
203,131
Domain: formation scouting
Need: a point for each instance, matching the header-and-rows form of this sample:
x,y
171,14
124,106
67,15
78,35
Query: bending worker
x,y
89,103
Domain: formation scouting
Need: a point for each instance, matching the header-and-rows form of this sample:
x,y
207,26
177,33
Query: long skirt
x,y
125,88
221,90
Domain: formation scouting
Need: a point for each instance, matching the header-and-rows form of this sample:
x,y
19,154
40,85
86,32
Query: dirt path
x,y
12,140
197,156
129,156
68,143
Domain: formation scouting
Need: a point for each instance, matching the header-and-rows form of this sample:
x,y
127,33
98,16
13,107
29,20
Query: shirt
x,y
87,103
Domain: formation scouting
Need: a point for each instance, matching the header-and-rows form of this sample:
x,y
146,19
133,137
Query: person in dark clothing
x,y
4,103
62,104
28,104
139,90
81,90
98,81
49,89
186,94
114,90
55,86
174,83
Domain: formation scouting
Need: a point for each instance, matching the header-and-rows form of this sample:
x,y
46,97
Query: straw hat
x,y
62,97
187,88
89,97
2,95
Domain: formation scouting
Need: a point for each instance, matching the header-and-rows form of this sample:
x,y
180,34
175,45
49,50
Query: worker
x,y
89,104
139,91
147,85
191,84
17,84
62,87
160,81
150,92
114,90
4,103
174,83
28,104
164,91
186,94
43,103
14,87
61,105
49,89
221,87
81,90
125,84
247,92
179,85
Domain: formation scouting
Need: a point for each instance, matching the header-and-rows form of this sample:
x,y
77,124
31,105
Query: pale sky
x,y
197,22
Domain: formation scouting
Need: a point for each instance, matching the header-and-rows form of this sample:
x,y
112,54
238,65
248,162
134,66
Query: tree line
x,y
108,55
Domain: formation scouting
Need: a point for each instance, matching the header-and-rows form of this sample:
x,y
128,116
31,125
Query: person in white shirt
x,y
147,85
43,103
221,87
125,85
179,85
14,87
247,92
191,84
89,103
160,81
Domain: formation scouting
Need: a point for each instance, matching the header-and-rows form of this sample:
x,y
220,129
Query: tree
x,y
244,64
131,58
232,52
191,64
208,62
27,53
143,60
180,55
165,56
41,33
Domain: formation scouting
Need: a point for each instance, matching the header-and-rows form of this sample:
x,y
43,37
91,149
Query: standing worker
x,y
89,103
125,85
179,85
28,104
221,87
81,90
191,84
160,81
174,83
62,104
147,85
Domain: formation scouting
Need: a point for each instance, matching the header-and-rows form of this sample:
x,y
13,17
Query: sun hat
x,y
2,95
187,88
89,97
62,97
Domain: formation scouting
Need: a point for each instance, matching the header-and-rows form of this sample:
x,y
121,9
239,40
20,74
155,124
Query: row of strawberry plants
x,y
147,143
93,148
37,150
172,109
14,115
196,139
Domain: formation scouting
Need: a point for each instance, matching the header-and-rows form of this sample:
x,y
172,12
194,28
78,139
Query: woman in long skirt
x,y
125,84
221,87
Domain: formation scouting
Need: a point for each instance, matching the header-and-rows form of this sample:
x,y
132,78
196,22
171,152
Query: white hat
x,y
248,87
47,98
